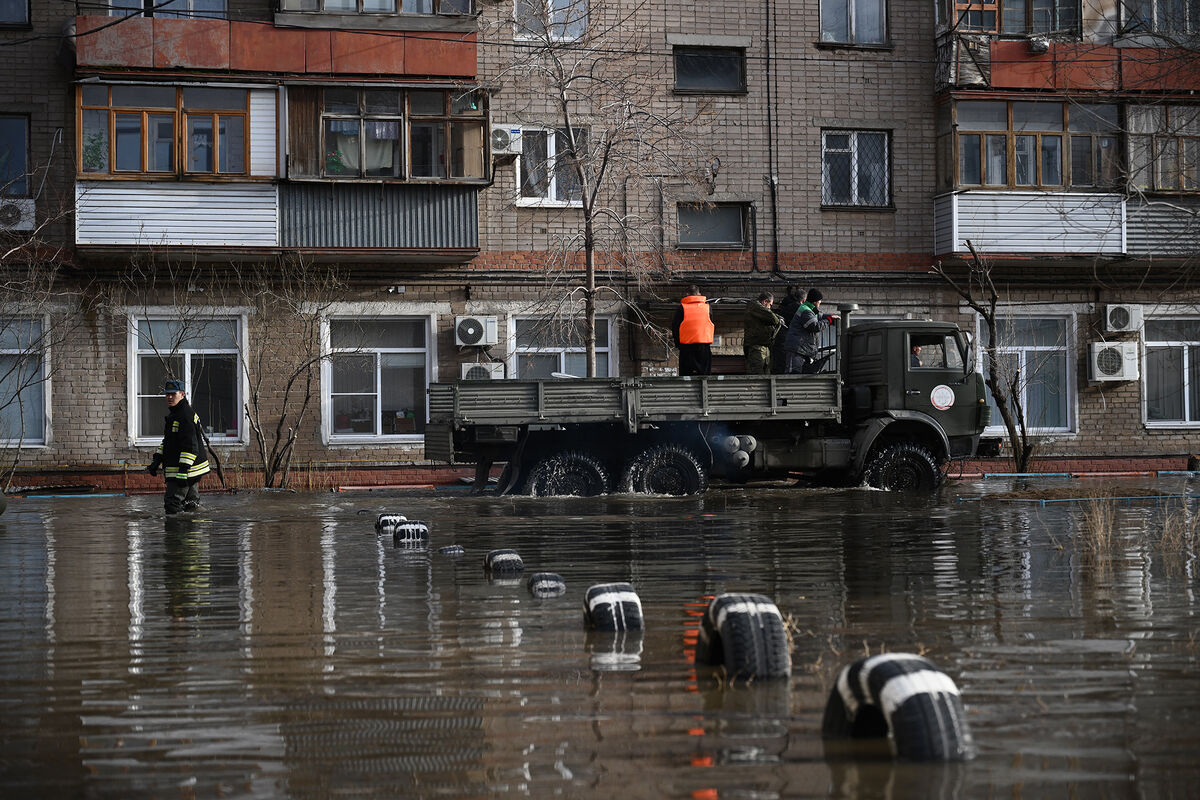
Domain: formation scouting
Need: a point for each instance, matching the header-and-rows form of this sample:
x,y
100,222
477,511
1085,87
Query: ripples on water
x,y
274,645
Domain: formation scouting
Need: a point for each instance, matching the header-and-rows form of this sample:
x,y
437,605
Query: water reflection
x,y
278,646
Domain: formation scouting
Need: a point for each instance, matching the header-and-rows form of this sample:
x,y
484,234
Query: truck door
x,y
935,383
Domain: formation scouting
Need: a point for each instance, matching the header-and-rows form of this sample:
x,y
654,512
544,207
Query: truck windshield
x,y
934,351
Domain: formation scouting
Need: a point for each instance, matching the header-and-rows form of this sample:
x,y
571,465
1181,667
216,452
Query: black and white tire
x,y
410,531
452,550
669,469
903,697
612,607
746,635
503,562
903,467
570,472
387,522
546,584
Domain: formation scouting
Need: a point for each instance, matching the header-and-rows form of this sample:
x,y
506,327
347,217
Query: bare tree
x,y
611,129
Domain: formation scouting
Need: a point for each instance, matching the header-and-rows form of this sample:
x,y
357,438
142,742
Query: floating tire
x,y
546,584
669,469
613,607
451,550
904,697
745,634
386,522
903,467
570,472
503,562
410,531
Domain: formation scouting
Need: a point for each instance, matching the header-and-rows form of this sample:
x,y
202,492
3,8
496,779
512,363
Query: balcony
x,y
1030,223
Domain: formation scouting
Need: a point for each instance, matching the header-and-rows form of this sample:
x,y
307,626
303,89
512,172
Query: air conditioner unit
x,y
490,371
475,331
1113,361
16,214
1122,318
506,141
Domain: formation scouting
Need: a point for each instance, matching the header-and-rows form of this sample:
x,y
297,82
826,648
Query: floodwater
x,y
273,645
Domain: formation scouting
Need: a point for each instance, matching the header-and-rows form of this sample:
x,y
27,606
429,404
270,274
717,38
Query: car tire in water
x,y
745,634
570,472
669,469
905,695
903,467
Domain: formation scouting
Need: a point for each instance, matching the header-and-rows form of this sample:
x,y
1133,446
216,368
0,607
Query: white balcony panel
x,y
163,213
1061,223
264,134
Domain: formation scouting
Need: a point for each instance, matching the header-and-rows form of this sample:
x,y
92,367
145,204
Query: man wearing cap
x,y
802,345
182,452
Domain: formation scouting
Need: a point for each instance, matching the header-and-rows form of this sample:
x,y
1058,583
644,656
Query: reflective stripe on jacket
x,y
697,326
182,448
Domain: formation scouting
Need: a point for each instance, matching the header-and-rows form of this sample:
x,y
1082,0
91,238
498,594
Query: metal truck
x,y
894,403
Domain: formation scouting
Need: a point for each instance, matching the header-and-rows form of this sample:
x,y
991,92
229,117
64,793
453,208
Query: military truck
x,y
895,401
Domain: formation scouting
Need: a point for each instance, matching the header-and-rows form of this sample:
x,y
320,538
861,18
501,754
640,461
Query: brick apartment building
x,y
182,178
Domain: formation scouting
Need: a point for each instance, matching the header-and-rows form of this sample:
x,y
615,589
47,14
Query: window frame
x,y
743,224
739,54
958,9
521,33
851,20
240,318
24,179
328,431
148,10
19,23
1066,347
436,5
43,354
552,167
1147,345
609,351
181,115
853,133
1158,141
1192,26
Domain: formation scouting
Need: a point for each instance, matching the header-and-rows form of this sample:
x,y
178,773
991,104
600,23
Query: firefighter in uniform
x,y
182,452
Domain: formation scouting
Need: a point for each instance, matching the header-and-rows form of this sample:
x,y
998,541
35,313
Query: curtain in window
x,y
21,398
342,155
382,145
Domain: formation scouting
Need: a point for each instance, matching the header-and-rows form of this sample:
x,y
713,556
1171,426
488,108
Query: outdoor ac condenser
x,y
1113,361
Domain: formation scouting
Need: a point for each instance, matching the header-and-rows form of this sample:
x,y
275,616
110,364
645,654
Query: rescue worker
x,y
786,310
802,344
182,452
693,331
759,328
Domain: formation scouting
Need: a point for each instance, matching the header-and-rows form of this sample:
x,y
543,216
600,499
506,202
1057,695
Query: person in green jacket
x,y
761,326
182,452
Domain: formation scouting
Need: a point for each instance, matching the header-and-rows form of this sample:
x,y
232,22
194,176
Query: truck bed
x,y
635,401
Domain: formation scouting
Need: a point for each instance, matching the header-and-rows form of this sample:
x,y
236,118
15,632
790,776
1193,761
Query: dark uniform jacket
x,y
182,449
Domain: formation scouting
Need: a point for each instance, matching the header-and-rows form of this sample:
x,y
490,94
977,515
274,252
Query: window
x,y
1013,144
548,174
14,156
1164,147
22,381
550,19
162,130
719,225
710,70
361,131
1173,371
1036,359
853,21
377,376
546,346
14,12
1095,151
203,352
446,7
1167,16
933,351
1016,17
189,9
855,169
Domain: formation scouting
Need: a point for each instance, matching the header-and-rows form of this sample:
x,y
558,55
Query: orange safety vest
x,y
697,327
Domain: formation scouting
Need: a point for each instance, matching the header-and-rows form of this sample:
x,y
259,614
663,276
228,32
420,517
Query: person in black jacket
x,y
182,452
786,310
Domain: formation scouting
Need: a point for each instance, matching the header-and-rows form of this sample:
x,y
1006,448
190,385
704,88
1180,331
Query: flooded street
x,y
273,645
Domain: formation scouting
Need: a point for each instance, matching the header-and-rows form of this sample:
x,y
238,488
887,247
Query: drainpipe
x,y
772,178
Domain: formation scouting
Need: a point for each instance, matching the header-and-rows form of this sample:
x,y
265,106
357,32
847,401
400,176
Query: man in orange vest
x,y
694,334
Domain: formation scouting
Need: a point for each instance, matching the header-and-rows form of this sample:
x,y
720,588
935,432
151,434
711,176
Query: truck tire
x,y
570,472
905,695
665,469
903,467
746,634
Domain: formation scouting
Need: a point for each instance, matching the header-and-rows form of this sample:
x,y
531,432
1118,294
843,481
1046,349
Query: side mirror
x,y
969,355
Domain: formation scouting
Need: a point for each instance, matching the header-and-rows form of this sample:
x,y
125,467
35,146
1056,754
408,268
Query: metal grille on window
x,y
855,169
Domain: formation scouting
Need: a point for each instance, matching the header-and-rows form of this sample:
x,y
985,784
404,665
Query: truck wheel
x,y
903,467
665,469
568,473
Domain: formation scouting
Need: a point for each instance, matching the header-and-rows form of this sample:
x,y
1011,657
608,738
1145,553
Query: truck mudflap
x,y
870,431
439,442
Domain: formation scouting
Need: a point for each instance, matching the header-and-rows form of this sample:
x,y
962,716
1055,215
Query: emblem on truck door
x,y
941,396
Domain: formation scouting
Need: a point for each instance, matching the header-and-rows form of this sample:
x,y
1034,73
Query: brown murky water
x,y
275,646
